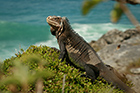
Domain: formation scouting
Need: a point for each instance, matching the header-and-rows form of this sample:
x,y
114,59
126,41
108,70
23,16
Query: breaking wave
x,y
88,32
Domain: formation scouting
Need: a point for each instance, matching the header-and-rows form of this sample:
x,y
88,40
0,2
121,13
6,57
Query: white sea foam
x,y
52,42
9,48
88,32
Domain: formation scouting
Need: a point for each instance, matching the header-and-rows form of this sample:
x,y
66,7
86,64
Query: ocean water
x,y
23,22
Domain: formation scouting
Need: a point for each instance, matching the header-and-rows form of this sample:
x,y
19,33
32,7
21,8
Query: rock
x,y
135,70
113,36
95,45
121,50
135,80
122,57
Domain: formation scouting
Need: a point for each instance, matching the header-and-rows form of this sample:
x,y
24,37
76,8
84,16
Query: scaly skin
x,y
75,49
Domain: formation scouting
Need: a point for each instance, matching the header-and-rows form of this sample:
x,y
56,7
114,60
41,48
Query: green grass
x,y
40,66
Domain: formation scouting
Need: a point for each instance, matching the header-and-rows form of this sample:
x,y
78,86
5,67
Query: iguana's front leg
x,y
62,50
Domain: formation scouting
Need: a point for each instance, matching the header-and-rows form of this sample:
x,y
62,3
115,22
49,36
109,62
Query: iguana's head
x,y
58,24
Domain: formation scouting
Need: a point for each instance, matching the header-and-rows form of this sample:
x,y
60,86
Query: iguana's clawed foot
x,y
83,75
60,58
86,76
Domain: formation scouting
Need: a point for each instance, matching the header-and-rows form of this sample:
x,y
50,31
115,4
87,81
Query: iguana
x,y
74,48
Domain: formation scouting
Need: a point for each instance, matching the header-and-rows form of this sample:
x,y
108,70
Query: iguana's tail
x,y
112,78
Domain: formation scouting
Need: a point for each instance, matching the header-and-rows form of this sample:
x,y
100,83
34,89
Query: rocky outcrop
x,y
121,50
113,36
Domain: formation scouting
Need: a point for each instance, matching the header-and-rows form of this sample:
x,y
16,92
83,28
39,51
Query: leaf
x,y
88,5
116,13
40,74
9,80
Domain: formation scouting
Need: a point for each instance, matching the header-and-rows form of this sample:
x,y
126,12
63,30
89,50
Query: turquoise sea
x,y
23,22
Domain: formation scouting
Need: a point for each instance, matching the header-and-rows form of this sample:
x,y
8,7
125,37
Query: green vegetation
x,y
120,7
89,4
116,13
38,69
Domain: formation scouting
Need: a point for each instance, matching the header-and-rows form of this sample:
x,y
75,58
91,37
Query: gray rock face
x,y
120,49
114,36
135,70
120,57
135,80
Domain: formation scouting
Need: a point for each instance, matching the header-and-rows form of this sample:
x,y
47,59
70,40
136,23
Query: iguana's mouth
x,y
51,22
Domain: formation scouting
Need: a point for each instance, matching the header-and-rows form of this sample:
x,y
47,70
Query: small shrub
x,y
40,65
